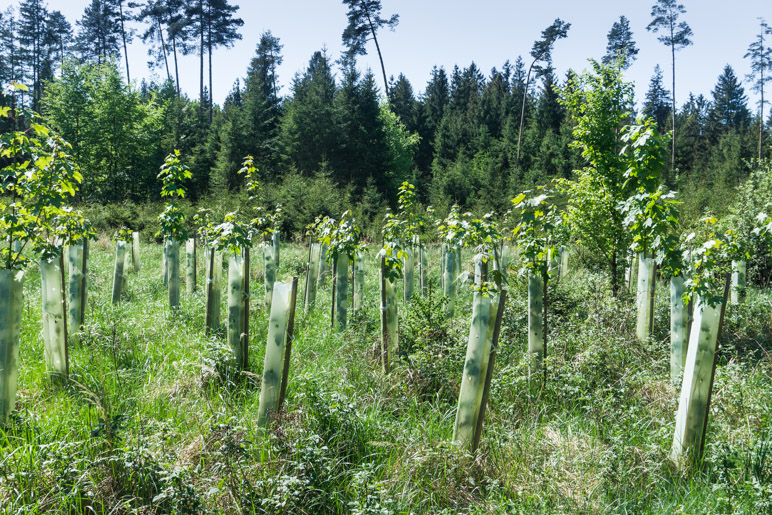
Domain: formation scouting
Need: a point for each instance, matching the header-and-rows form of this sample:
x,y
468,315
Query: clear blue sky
x,y
488,32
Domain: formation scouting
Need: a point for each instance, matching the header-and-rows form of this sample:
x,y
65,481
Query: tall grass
x,y
154,421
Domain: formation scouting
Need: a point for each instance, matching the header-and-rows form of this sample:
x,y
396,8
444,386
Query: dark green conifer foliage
x,y
657,103
620,44
730,105
98,36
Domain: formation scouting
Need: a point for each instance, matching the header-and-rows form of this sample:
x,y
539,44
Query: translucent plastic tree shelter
x,y
487,312
537,349
11,287
118,270
738,282
213,289
359,281
173,271
389,319
277,350
697,384
190,265
135,253
269,273
312,276
77,261
645,297
54,321
679,328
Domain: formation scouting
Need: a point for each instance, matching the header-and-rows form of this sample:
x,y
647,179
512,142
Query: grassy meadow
x,y
152,421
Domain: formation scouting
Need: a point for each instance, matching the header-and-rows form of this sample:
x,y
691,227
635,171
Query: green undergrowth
x,y
153,421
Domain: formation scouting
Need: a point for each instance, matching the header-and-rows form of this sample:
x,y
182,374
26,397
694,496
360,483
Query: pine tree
x,y
58,35
760,54
676,35
657,103
221,31
620,44
541,52
32,46
155,14
364,22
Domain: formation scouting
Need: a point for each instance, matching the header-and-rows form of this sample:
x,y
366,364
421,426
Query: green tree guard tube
x,y
473,380
341,292
126,259
645,297
135,259
54,324
190,266
737,294
312,276
274,352
213,289
120,260
276,238
236,309
408,275
449,282
11,288
166,263
389,321
359,280
694,403
564,253
536,347
76,301
269,261
324,265
679,326
173,260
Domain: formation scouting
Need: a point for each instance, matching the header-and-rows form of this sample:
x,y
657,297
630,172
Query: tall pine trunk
x,y
123,36
209,49
380,57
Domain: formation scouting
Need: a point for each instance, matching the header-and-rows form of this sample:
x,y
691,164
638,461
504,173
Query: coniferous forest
x,y
495,291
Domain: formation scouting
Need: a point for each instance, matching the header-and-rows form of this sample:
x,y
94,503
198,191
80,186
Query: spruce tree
x,y
657,102
729,110
620,44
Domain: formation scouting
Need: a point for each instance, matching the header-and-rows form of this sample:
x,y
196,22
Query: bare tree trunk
x,y
380,57
201,51
163,49
125,50
209,48
672,52
522,114
176,68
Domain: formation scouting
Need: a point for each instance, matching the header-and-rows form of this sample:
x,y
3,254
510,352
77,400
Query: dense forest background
x,y
340,139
